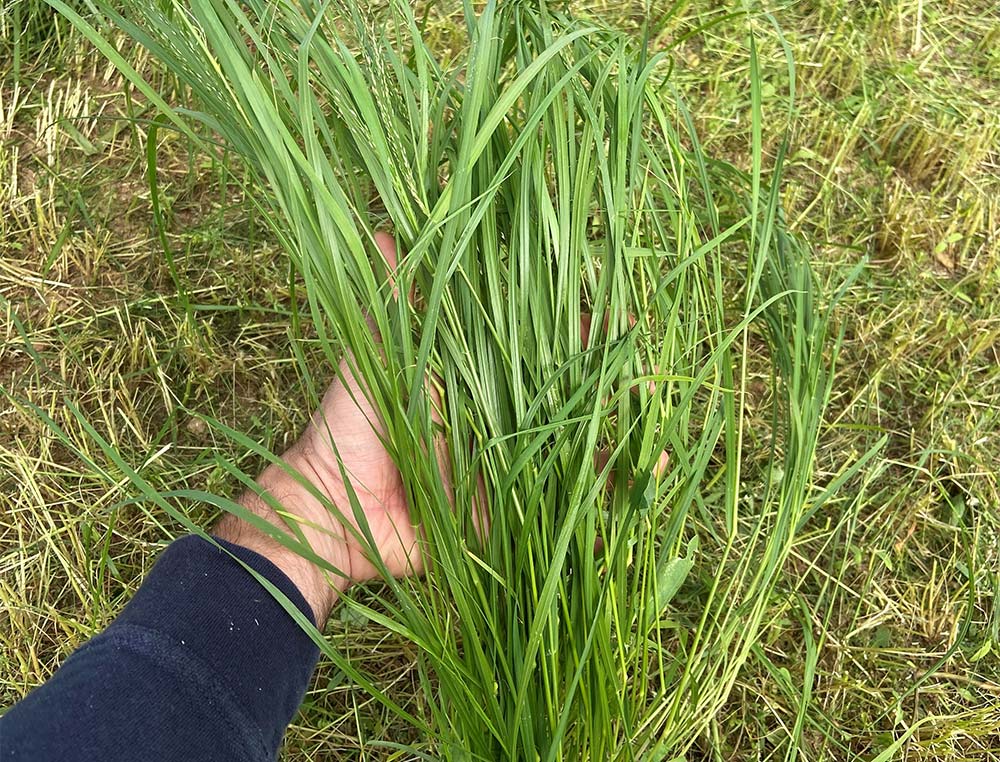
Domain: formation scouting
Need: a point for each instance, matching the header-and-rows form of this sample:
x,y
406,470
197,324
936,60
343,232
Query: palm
x,y
348,421
347,430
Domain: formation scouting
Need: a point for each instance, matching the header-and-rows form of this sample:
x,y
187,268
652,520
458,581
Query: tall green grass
x,y
545,174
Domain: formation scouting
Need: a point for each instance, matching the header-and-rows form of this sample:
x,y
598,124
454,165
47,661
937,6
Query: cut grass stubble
x,y
547,176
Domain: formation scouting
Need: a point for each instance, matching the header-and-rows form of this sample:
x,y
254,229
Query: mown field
x,y
883,635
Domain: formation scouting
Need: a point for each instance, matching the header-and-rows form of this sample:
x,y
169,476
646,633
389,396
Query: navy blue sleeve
x,y
202,664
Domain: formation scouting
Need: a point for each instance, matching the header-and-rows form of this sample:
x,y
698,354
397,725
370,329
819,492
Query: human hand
x,y
345,425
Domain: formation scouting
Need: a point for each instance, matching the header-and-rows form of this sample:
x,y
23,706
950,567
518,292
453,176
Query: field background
x,y
886,621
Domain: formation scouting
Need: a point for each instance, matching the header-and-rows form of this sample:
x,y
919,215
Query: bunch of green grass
x,y
544,175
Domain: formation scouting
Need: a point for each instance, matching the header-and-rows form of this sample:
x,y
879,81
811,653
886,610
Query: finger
x,y
585,320
602,457
387,245
586,323
481,510
662,463
600,463
480,513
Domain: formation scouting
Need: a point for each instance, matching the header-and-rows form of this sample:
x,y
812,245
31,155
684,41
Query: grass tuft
x,y
543,178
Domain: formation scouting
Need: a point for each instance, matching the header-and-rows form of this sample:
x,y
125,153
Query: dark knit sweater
x,y
202,664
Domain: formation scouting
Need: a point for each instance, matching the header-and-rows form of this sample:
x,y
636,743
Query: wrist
x,y
326,536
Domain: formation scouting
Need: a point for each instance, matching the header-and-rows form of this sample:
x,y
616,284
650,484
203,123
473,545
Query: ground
x,y
887,619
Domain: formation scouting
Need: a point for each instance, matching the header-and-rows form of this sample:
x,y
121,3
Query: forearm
x,y
203,663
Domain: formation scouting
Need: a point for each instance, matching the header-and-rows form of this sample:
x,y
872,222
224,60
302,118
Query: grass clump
x,y
588,281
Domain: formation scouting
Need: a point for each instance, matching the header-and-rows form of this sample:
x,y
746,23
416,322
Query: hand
x,y
346,424
346,421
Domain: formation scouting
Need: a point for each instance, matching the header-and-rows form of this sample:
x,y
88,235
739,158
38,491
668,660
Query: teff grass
x,y
545,178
